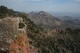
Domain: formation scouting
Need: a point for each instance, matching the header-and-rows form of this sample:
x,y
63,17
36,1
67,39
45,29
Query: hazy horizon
x,y
55,7
72,6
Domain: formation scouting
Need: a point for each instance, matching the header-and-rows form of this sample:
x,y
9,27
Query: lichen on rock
x,y
10,34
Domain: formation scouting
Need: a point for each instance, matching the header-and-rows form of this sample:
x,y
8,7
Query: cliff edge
x,y
13,36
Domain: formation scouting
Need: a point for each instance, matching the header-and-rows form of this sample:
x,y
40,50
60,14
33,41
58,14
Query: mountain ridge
x,y
46,20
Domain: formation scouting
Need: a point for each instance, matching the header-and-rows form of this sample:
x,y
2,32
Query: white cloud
x,y
24,0
77,0
35,0
12,0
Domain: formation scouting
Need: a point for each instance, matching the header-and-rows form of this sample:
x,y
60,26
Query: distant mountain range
x,y
62,14
46,20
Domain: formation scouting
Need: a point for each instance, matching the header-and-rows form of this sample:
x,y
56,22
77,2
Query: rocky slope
x,y
10,28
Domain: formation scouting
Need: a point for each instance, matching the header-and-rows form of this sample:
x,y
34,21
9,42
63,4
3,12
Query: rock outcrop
x,y
12,29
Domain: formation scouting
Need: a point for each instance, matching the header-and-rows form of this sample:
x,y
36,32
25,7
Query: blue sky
x,y
43,5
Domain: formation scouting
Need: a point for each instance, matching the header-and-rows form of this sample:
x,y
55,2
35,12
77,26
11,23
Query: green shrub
x,y
21,25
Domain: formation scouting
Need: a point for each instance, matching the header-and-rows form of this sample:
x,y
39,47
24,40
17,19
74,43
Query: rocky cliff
x,y
11,32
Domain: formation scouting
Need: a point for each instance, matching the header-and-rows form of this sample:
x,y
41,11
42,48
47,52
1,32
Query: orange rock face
x,y
9,30
20,45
